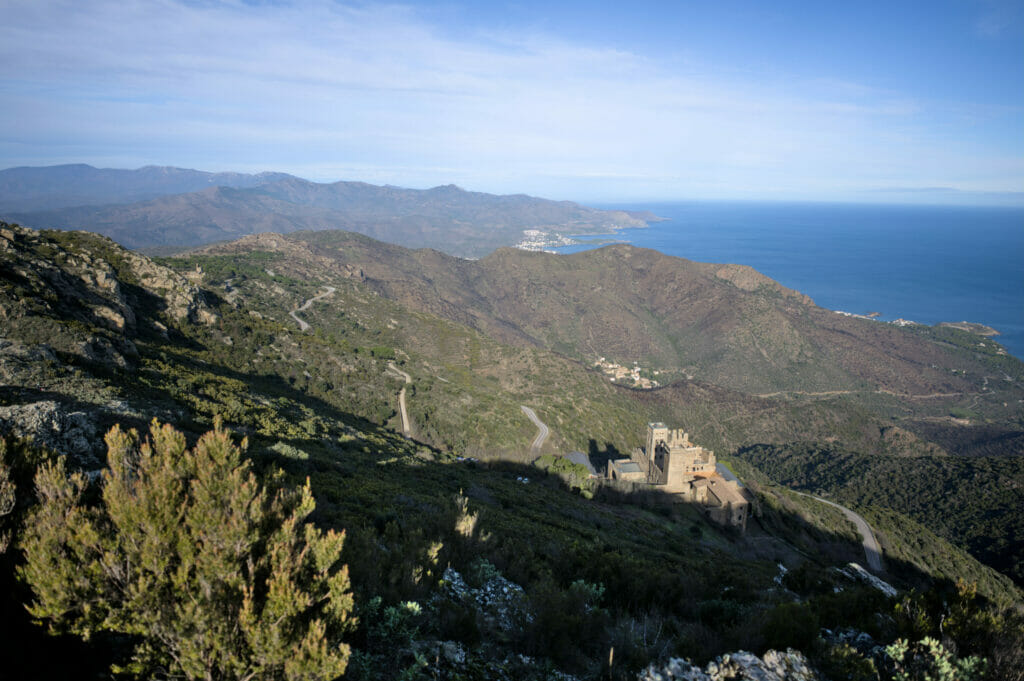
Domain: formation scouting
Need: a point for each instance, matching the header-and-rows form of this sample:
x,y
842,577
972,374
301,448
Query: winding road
x,y
406,429
304,326
542,430
871,549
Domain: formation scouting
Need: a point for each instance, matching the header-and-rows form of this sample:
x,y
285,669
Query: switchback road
x,y
303,326
542,430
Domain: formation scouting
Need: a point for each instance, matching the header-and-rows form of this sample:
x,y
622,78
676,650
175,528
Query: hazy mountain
x,y
174,207
29,189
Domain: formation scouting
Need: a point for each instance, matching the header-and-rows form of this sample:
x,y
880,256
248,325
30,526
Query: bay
x,y
927,264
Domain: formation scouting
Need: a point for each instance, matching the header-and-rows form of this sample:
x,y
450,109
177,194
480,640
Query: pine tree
x,y
214,576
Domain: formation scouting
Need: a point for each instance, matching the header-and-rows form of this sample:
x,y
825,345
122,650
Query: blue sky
x,y
853,101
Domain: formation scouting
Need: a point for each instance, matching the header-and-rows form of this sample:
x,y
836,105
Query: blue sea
x,y
928,264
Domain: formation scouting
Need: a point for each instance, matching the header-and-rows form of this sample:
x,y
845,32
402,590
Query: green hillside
x,y
95,335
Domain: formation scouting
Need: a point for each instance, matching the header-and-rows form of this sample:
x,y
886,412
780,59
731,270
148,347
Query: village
x,y
637,377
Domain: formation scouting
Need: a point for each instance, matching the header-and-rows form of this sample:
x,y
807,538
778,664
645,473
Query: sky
x,y
592,101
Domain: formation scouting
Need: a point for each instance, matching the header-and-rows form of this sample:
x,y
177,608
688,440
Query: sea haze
x,y
928,264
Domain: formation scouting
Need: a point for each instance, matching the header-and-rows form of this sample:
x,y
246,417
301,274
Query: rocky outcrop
x,y
89,279
49,425
184,300
501,603
790,665
26,364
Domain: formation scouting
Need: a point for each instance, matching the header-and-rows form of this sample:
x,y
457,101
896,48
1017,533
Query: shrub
x,y
187,553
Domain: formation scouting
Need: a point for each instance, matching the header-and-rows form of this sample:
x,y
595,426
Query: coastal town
x,y
546,241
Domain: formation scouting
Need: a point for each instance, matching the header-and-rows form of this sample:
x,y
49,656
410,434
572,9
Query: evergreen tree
x,y
213,576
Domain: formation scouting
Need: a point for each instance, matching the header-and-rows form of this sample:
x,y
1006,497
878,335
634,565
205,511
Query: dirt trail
x,y
831,393
406,428
303,325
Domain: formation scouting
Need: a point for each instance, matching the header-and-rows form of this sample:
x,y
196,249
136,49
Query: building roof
x,y
727,491
627,466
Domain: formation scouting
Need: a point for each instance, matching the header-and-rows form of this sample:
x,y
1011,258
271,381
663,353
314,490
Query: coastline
x,y
929,264
547,241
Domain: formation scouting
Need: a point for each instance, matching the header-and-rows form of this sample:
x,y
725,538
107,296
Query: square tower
x,y
657,433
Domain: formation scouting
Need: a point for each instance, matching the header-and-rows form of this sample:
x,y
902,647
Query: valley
x,y
399,382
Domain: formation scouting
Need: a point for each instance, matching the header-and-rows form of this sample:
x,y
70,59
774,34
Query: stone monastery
x,y
673,464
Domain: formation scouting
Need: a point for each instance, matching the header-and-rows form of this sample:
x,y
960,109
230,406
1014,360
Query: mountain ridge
x,y
190,211
34,188
726,324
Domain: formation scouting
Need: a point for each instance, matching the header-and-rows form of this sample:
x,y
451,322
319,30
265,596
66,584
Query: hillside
x,y
875,388
96,335
153,207
725,325
932,490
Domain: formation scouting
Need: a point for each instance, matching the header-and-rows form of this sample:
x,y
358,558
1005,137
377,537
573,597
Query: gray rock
x,y
74,434
453,652
16,349
790,665
500,601
100,350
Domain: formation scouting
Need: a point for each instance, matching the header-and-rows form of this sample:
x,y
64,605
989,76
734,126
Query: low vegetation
x,y
466,558
214,576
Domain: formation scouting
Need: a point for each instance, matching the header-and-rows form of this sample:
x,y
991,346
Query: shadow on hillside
x,y
268,385
410,512
702,590
599,458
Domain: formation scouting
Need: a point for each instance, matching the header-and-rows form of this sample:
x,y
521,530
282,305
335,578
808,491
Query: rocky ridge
x,y
90,280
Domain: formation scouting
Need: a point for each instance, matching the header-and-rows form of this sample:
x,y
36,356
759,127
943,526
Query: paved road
x,y
303,326
406,429
871,549
542,430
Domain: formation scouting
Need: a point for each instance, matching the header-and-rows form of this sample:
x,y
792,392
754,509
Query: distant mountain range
x,y
30,189
161,206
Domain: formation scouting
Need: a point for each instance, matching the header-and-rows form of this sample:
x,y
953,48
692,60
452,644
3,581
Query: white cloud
x,y
377,93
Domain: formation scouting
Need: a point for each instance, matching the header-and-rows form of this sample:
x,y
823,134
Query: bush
x,y
187,553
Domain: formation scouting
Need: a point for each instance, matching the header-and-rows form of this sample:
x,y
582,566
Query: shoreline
x,y
546,241
821,251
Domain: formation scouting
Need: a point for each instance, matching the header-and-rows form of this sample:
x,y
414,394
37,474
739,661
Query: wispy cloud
x,y
999,17
377,92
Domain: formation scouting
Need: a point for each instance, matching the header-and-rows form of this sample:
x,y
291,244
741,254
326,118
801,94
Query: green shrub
x,y
211,574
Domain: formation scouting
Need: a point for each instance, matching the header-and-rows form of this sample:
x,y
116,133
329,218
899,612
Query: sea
x,y
926,264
